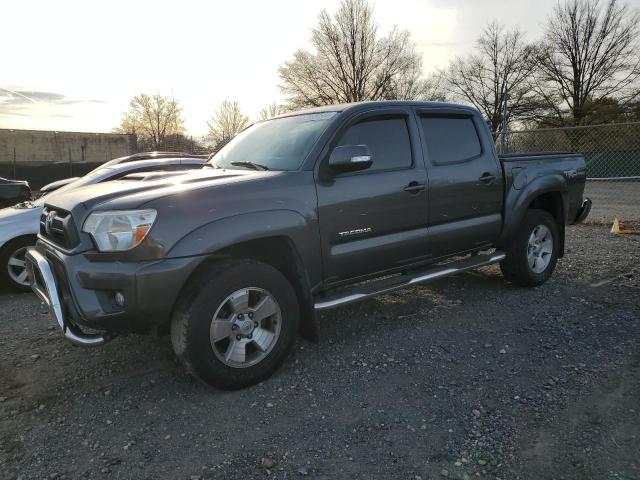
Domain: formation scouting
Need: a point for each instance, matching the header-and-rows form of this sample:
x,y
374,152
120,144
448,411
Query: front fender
x,y
517,201
229,231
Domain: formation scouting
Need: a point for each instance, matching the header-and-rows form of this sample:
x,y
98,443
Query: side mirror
x,y
350,158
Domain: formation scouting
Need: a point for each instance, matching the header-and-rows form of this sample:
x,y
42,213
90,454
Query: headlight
x,y
119,230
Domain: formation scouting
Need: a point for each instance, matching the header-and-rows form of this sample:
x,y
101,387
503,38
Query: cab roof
x,y
343,107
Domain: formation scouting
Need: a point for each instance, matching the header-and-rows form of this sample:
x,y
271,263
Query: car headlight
x,y
121,230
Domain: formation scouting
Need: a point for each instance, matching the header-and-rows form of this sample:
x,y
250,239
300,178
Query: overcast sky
x,y
75,65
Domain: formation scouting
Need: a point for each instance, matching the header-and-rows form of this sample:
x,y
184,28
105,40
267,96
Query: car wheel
x,y
12,262
235,324
533,253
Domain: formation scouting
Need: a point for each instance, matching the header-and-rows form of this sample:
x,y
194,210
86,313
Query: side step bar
x,y
371,289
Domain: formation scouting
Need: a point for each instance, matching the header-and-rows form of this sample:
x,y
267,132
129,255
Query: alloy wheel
x,y
245,327
540,248
17,267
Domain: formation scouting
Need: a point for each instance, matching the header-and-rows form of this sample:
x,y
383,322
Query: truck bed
x,y
524,170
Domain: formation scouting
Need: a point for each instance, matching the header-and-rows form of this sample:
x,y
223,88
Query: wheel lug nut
x,y
249,336
234,327
241,316
255,324
238,337
250,314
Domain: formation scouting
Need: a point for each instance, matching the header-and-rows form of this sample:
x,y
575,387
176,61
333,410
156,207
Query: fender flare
x,y
228,231
299,231
517,202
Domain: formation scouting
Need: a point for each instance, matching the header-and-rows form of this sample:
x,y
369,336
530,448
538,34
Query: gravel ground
x,y
613,199
469,377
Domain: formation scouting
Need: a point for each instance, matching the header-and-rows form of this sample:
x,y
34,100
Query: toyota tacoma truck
x,y
302,213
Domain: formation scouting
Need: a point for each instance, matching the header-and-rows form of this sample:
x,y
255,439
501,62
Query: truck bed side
x,y
552,181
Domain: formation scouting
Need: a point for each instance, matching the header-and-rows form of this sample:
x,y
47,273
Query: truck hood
x,y
132,193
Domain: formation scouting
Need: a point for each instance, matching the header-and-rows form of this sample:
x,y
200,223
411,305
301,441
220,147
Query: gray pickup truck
x,y
301,213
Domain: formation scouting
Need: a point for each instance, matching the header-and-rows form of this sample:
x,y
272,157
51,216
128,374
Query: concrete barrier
x,y
41,157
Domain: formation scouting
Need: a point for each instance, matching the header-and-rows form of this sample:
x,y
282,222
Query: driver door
x,y
375,219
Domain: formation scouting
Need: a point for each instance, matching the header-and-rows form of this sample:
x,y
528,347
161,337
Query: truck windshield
x,y
278,144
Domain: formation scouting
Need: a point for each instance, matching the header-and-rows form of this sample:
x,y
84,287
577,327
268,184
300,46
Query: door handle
x,y
414,187
487,178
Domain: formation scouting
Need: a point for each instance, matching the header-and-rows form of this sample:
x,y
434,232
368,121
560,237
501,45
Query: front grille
x,y
57,226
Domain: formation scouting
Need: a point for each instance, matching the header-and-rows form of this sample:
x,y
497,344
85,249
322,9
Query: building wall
x,y
42,156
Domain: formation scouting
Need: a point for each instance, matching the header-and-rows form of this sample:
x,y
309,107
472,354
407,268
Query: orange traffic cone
x,y
618,229
615,228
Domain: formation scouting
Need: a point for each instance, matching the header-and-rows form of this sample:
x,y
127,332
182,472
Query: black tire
x,y
193,316
6,253
515,267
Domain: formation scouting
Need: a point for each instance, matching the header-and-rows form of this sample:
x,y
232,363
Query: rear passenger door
x,y
374,219
465,182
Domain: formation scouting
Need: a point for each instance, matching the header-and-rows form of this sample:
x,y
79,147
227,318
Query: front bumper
x,y
80,291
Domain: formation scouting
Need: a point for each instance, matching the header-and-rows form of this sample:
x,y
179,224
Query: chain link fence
x,y
175,143
612,154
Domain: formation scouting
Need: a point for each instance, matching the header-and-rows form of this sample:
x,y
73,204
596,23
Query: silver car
x,y
19,224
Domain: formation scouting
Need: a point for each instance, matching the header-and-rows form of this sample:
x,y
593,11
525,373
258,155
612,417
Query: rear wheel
x,y
13,265
235,324
533,253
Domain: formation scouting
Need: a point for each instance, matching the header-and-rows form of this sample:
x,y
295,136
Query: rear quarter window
x,y
450,139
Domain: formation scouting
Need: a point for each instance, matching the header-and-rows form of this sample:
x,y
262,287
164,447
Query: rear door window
x,y
450,139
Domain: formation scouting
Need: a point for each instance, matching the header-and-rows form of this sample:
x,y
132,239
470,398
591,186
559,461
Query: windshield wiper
x,y
252,165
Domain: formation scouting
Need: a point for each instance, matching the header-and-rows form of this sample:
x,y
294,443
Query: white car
x,y
19,224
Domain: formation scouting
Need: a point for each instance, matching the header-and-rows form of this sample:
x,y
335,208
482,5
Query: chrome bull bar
x,y
43,283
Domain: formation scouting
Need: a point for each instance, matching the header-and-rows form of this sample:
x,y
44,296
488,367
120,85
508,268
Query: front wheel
x,y
533,253
235,324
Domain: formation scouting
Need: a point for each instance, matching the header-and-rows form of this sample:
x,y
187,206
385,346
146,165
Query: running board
x,y
372,289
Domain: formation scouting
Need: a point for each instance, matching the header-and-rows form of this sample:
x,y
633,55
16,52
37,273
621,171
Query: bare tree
x,y
152,118
351,62
590,55
271,110
501,67
413,86
226,123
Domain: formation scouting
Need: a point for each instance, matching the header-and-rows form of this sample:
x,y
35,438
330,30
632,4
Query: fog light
x,y
119,298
